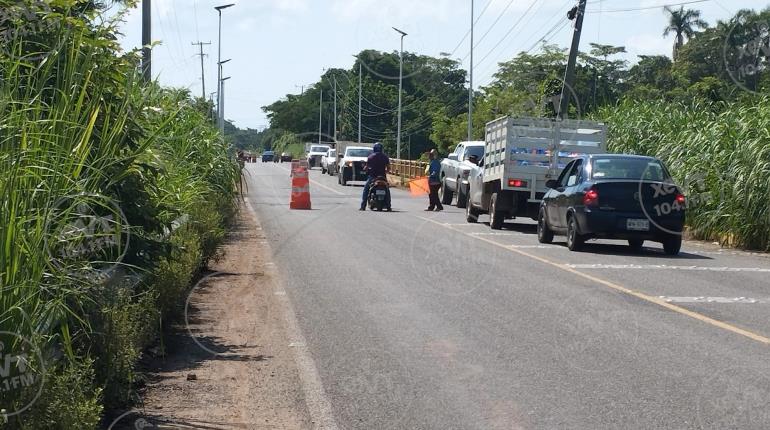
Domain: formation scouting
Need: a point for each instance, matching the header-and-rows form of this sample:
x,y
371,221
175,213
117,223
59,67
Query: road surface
x,y
420,320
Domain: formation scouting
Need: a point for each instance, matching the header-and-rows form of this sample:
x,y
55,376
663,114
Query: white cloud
x,y
648,44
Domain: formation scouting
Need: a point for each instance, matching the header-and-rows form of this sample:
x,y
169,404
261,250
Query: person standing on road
x,y
434,182
376,166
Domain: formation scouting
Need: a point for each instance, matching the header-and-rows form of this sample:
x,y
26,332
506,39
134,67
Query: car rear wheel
x,y
462,198
544,233
575,240
445,194
636,244
495,218
672,245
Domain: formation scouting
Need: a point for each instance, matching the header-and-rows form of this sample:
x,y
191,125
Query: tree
x,y
682,23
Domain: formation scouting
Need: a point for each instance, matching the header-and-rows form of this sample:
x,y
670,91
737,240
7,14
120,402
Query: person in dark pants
x,y
376,165
434,182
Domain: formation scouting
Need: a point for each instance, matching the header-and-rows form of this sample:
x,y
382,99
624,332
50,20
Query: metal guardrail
x,y
408,169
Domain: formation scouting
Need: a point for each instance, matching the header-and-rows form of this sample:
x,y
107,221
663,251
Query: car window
x,y
358,152
564,174
478,151
629,168
573,178
318,149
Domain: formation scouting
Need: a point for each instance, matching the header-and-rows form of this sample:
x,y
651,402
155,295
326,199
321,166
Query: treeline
x,y
113,195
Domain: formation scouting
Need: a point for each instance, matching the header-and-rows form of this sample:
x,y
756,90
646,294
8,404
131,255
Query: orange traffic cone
x,y
300,190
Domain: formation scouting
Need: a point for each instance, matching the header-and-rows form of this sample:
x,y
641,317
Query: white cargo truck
x,y
520,155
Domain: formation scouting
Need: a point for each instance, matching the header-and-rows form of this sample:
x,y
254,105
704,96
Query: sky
x,y
278,46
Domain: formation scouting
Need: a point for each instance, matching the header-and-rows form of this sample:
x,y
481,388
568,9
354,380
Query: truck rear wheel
x,y
495,218
462,197
445,194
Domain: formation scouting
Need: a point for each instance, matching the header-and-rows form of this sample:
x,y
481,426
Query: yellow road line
x,y
651,299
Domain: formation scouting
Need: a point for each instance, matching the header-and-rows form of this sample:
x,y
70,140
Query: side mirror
x,y
552,183
452,157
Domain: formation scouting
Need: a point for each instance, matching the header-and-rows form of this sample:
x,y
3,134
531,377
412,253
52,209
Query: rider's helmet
x,y
377,147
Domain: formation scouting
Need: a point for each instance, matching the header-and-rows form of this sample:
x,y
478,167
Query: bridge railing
x,y
408,169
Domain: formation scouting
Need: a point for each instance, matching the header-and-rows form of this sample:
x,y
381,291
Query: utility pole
x,y
360,96
203,75
470,89
320,115
146,40
335,109
577,14
400,86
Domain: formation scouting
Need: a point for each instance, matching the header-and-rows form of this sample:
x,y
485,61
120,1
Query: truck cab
x,y
351,165
315,154
455,170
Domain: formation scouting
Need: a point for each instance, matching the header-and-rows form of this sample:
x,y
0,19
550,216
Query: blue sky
x,y
277,46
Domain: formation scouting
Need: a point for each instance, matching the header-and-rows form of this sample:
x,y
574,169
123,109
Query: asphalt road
x,y
419,320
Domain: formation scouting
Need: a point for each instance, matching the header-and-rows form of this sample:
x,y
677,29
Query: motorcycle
x,y
379,195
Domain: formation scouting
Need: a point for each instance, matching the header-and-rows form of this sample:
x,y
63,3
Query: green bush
x,y
77,125
720,154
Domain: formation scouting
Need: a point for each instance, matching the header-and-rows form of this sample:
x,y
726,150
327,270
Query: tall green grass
x,y
76,120
720,153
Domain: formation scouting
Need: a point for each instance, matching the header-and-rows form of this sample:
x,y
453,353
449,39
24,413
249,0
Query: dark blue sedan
x,y
609,196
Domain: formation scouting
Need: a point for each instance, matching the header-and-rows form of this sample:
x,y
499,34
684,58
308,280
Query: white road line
x,y
667,267
318,404
729,300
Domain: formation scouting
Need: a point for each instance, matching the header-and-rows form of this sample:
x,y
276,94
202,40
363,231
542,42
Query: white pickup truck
x,y
455,170
520,155
352,161
315,154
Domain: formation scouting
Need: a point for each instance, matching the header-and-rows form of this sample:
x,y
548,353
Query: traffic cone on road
x,y
300,189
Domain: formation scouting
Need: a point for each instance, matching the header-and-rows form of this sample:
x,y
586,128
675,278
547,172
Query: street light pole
x,y
320,115
360,96
146,40
335,109
470,89
400,87
221,99
219,67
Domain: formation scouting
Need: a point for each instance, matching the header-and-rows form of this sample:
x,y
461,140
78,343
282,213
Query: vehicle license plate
x,y
380,192
638,224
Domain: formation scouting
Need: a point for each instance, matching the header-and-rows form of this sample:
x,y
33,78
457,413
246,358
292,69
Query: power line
x,y
647,7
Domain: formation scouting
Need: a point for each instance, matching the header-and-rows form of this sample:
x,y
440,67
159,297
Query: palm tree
x,y
682,23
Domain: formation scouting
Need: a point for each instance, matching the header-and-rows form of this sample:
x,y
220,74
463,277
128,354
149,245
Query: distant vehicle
x,y
609,196
520,155
329,162
286,157
315,154
351,165
268,156
454,172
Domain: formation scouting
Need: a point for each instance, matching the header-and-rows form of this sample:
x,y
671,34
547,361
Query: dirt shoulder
x,y
230,366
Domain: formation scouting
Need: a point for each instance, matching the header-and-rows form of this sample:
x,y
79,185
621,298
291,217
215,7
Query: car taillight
x,y
680,199
591,198
517,183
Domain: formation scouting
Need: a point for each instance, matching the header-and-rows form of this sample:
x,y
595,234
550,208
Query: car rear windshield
x,y
318,149
269,152
358,152
478,151
629,168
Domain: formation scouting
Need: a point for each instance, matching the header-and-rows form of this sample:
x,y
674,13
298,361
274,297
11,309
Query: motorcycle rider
x,y
377,165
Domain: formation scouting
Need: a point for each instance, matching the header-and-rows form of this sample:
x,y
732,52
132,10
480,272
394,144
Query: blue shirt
x,y
434,169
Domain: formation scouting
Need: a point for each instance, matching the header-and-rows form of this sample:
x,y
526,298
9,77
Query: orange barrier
x,y
419,186
300,189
